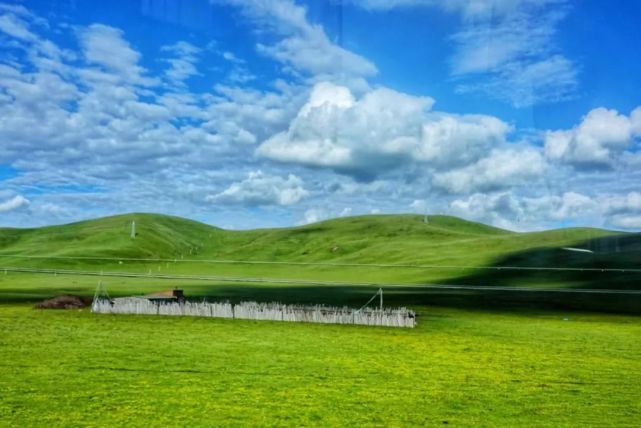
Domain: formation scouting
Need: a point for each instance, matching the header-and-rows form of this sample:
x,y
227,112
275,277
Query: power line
x,y
309,282
331,264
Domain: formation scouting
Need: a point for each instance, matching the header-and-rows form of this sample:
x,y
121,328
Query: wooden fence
x,y
399,317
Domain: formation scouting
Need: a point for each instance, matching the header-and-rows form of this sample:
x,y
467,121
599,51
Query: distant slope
x,y
363,239
157,236
376,239
168,237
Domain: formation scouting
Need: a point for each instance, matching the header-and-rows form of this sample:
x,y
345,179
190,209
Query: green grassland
x,y
346,250
380,239
476,358
458,367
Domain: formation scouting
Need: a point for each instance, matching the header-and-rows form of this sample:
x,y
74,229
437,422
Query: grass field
x,y
458,367
490,358
457,251
391,239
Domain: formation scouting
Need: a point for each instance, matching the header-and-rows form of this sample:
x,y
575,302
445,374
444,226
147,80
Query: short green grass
x,y
458,367
387,239
475,359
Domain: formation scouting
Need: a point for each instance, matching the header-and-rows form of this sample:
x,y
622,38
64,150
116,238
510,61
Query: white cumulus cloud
x,y
14,203
304,47
502,168
381,131
183,63
106,46
517,212
599,140
261,189
629,203
627,222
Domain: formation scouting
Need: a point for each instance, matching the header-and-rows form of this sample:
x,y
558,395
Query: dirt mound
x,y
65,302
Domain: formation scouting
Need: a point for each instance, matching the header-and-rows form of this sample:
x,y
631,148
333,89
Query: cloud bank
x,y
108,129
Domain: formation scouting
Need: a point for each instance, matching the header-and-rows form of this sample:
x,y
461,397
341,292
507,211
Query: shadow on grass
x,y
612,252
618,252
356,296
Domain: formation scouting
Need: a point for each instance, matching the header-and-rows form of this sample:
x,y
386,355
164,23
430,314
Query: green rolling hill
x,y
457,246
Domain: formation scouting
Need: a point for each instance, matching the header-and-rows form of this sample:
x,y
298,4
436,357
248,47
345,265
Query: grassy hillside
x,y
519,366
378,239
364,239
159,236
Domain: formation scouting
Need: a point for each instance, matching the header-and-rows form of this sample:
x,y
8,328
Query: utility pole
x,y
101,292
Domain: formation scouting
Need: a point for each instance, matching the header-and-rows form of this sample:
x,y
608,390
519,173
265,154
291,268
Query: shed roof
x,y
166,294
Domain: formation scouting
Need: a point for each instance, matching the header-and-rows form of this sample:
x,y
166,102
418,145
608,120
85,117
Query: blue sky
x,y
251,113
